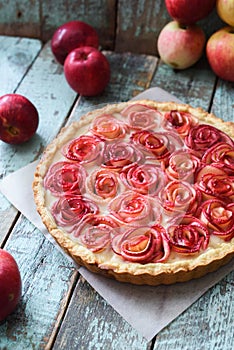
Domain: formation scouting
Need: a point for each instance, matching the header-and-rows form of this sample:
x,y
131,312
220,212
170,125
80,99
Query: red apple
x,y
180,46
220,53
87,71
18,119
225,10
10,284
70,36
189,11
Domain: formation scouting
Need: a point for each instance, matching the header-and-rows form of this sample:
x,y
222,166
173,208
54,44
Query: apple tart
x,y
141,191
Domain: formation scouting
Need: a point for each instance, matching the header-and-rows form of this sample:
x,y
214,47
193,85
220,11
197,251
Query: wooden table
x,y
59,309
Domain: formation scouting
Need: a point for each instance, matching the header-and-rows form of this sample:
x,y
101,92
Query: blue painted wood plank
x,y
101,326
223,101
47,277
207,324
45,86
99,14
16,56
39,19
139,23
44,270
20,18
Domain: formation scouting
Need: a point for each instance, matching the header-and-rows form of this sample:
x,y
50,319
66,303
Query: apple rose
x,y
189,236
69,210
202,137
156,145
65,178
219,218
221,155
108,128
84,149
135,209
142,117
119,154
144,178
180,122
214,182
143,244
103,183
95,232
179,197
182,166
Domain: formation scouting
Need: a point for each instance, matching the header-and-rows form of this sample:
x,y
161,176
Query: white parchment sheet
x,y
148,309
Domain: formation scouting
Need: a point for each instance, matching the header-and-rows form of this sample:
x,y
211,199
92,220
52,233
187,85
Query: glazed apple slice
x,y
143,244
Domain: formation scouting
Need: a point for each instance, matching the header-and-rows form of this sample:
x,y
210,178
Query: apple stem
x,y
83,56
183,26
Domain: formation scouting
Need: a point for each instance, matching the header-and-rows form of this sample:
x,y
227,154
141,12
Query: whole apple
x,y
87,71
225,10
189,11
18,119
220,53
70,36
10,284
180,46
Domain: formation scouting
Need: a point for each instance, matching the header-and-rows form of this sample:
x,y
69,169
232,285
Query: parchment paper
x,y
148,309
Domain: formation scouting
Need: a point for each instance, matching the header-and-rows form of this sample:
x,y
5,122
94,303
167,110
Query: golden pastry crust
x,y
178,270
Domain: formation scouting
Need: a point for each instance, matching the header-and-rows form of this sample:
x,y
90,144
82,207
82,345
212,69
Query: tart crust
x,y
136,273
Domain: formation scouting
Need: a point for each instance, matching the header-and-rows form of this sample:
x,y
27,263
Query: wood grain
x,y
16,56
20,18
194,85
39,18
223,101
46,88
101,326
207,324
139,23
99,14
47,277
122,25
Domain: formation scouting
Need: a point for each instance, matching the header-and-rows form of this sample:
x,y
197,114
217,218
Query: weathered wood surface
x,y
20,18
139,23
44,85
47,281
207,324
59,310
17,55
99,14
39,19
100,326
122,25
